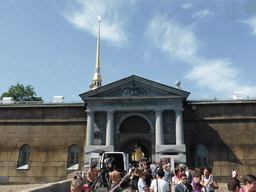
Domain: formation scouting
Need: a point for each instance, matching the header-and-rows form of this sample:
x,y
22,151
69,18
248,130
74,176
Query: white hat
x,y
182,165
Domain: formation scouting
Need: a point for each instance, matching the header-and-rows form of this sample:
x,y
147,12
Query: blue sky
x,y
210,46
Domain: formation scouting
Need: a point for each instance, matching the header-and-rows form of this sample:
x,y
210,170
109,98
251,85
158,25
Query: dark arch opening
x,y
135,134
134,124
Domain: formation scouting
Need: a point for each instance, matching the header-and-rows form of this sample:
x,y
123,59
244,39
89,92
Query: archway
x,y
135,138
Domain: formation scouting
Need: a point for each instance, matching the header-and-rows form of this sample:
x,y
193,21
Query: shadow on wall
x,y
201,132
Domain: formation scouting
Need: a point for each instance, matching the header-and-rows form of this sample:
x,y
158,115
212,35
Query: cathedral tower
x,y
97,77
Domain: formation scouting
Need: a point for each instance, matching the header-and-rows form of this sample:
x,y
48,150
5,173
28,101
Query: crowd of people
x,y
155,177
158,177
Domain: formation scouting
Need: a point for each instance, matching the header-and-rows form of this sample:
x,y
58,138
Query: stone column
x,y
90,128
110,128
179,127
159,127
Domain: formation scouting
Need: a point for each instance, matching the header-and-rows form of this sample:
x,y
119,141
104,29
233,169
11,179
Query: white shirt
x,y
130,172
153,168
234,173
208,187
162,185
141,184
106,160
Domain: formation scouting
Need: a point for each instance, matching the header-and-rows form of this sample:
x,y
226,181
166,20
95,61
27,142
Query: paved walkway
x,y
17,188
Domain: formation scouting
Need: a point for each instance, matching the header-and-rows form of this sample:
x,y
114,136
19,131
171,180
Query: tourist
x,y
160,166
108,171
233,185
168,176
234,173
153,169
189,176
159,185
148,176
131,170
142,185
197,182
182,170
91,175
114,179
183,186
176,170
135,180
106,159
249,184
76,185
212,185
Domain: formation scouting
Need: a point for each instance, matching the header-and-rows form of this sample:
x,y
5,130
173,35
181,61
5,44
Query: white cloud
x,y
186,6
147,56
172,37
252,23
113,18
202,14
220,76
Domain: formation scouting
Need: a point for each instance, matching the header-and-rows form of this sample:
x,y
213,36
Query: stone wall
x,y
49,130
228,131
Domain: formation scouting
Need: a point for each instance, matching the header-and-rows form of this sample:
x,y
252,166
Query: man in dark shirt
x,y
149,177
183,186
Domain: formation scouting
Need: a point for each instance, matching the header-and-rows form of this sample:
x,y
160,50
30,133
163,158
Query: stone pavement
x,y
17,188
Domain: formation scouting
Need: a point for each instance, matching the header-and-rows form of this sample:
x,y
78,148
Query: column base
x,y
179,149
181,158
98,148
170,149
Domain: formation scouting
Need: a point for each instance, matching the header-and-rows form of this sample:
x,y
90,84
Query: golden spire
x,y
97,77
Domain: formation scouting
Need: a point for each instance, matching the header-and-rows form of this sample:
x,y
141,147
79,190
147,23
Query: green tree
x,y
21,93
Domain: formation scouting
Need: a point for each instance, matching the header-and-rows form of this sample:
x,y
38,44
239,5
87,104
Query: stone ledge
x,y
42,105
223,118
43,120
170,148
98,148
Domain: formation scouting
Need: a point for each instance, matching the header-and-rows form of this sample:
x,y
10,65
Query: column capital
x,y
178,110
90,111
110,111
158,110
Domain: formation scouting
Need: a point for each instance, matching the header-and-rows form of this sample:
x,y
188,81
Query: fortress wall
x,y
49,131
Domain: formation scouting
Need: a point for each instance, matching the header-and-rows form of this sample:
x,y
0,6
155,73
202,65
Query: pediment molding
x,y
134,87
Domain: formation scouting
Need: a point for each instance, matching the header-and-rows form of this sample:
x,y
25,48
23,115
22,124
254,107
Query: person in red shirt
x,y
180,172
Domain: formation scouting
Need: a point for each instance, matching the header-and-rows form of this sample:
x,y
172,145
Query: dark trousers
x,y
90,184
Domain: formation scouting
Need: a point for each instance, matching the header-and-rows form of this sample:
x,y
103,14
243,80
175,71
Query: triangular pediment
x,y
132,87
